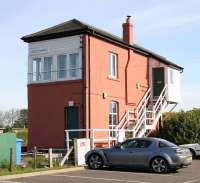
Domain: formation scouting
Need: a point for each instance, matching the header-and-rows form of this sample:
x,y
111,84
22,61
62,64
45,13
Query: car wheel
x,y
159,165
95,161
193,153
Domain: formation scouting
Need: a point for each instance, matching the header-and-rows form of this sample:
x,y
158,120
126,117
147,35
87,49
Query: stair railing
x,y
141,111
125,120
159,106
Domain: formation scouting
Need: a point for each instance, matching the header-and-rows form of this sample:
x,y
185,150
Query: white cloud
x,y
167,15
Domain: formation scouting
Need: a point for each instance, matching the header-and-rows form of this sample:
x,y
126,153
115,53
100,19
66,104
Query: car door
x,y
141,152
122,155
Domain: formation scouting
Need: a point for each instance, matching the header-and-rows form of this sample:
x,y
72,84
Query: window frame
x,y
57,64
43,68
38,74
171,76
112,125
112,72
76,68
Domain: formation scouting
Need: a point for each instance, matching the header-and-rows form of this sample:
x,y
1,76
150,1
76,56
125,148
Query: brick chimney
x,y
128,31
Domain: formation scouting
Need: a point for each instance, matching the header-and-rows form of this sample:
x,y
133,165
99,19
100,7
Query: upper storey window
x,y
73,65
37,69
42,69
113,65
47,68
55,67
62,66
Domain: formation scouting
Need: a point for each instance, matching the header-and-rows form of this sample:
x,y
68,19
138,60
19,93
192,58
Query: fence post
x,y
35,157
11,160
67,140
50,158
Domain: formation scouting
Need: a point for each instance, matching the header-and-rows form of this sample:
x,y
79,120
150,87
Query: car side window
x,y
129,144
136,144
162,144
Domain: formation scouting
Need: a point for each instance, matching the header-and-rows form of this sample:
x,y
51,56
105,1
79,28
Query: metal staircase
x,y
145,118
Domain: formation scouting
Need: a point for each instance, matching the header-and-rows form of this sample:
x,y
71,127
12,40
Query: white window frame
x,y
37,74
113,71
66,76
41,57
76,68
171,76
51,69
112,125
55,68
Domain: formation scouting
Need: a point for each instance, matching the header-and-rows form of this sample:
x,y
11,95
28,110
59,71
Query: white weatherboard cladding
x,y
174,89
53,48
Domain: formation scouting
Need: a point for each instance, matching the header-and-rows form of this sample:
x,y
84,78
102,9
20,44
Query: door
x,y
158,80
123,155
133,152
71,120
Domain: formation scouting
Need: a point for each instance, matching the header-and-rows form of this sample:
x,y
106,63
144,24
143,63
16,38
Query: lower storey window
x,y
113,117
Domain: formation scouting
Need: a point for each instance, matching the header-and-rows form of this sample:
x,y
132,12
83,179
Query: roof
x,y
76,27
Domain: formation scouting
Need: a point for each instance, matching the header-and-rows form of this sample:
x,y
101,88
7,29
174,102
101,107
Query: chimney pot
x,y
128,30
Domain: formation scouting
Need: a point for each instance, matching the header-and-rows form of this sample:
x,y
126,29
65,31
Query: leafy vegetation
x,y
14,118
21,122
181,127
24,136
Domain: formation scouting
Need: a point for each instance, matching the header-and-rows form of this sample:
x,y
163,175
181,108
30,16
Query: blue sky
x,y
170,28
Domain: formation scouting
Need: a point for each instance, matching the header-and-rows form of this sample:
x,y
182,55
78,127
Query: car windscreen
x,y
165,143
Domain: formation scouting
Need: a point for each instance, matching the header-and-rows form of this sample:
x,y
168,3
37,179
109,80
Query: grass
x,y
18,170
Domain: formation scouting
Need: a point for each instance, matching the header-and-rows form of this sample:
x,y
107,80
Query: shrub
x,y
182,127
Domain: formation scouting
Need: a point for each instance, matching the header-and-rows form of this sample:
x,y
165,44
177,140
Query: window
x,y
171,75
113,65
73,65
37,69
113,117
62,65
47,68
136,144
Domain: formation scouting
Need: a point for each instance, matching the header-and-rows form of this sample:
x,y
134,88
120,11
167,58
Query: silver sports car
x,y
157,154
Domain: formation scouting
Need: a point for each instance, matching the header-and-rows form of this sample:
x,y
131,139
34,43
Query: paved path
x,y
185,175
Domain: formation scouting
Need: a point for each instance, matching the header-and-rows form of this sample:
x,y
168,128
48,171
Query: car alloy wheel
x,y
95,161
159,165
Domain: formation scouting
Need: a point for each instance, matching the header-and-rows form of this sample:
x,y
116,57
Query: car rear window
x,y
165,143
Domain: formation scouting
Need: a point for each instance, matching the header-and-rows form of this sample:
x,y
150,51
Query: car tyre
x,y
193,153
159,165
95,161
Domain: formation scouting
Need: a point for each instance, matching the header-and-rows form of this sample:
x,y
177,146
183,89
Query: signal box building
x,y
82,77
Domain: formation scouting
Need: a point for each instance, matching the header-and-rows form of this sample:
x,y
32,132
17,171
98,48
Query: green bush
x,y
181,127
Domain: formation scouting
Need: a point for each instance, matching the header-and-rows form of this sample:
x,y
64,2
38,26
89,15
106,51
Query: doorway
x,y
158,80
71,120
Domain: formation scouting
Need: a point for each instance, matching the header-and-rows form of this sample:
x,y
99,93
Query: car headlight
x,y
181,151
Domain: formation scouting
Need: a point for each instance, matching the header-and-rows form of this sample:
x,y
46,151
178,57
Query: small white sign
x,y
38,51
71,103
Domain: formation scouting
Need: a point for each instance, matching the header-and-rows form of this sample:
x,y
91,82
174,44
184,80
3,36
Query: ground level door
x,y
71,120
158,80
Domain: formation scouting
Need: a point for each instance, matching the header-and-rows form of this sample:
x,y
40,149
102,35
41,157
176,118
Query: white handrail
x,y
122,121
160,97
144,98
